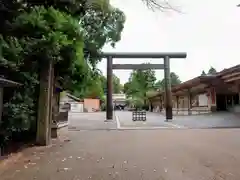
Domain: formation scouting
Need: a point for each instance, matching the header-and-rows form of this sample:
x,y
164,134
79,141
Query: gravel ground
x,y
167,154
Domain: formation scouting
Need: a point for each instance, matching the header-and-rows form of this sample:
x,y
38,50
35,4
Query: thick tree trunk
x,y
44,107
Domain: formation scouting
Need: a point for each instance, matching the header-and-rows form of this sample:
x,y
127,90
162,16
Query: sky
x,y
207,30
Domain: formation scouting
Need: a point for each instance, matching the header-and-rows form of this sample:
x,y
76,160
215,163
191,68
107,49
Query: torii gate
x,y
165,66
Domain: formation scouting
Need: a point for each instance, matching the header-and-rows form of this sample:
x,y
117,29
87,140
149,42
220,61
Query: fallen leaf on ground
x,y
165,170
27,161
67,140
32,163
66,169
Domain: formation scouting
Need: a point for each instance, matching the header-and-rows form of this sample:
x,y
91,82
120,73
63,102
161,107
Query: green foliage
x,y
103,80
34,33
203,73
174,80
117,87
126,87
140,82
37,37
135,102
101,28
212,71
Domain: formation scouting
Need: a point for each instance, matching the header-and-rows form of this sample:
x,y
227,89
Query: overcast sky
x,y
208,30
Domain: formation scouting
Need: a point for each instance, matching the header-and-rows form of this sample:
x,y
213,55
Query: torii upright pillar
x,y
168,91
109,109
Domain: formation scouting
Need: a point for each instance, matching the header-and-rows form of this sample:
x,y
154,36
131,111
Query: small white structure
x,y
76,105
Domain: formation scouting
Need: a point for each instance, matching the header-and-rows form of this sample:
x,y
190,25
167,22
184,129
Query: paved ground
x,y
90,121
125,121
215,120
156,120
164,154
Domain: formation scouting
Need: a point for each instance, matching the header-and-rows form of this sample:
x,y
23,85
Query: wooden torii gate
x,y
165,66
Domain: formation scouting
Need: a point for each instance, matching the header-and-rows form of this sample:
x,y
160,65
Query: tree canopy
x,y
141,83
211,71
117,86
203,73
174,79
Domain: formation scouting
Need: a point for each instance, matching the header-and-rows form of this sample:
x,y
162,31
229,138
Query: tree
x,y
34,33
40,35
174,79
159,84
140,82
126,87
203,73
117,87
100,29
212,71
103,80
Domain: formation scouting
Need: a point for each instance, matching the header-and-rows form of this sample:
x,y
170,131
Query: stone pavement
x,y
157,120
164,154
125,121
90,121
213,120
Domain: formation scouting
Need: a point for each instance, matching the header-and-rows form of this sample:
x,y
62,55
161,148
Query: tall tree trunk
x,y
44,106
